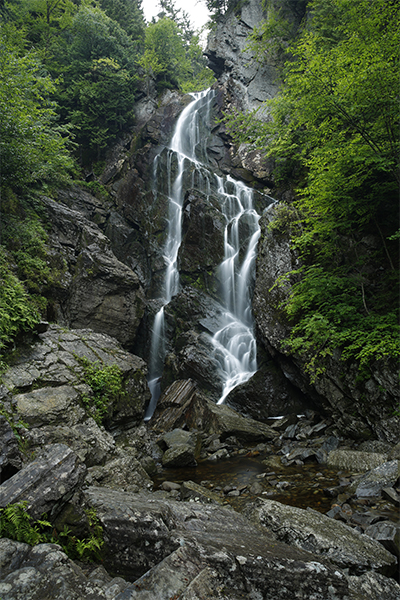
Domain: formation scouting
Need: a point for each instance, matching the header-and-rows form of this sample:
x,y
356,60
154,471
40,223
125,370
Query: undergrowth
x,y
106,382
17,524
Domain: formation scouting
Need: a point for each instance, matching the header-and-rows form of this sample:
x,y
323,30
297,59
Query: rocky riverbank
x,y
183,538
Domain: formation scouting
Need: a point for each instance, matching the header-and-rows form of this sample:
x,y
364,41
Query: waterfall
x,y
234,343
185,146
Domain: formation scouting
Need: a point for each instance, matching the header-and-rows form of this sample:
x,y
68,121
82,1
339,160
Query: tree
x,y
99,81
173,53
163,42
129,15
33,145
44,21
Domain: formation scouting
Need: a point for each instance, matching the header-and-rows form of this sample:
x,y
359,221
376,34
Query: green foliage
x,y
173,54
328,313
16,426
270,39
17,524
165,48
18,311
107,386
199,77
129,15
99,81
25,275
335,123
218,8
33,145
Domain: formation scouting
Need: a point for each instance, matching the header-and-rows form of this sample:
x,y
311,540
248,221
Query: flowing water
x,y
234,344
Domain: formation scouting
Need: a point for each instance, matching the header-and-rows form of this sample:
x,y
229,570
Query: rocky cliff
x,y
360,407
109,255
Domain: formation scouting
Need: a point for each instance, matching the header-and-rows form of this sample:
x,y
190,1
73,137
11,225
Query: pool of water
x,y
300,486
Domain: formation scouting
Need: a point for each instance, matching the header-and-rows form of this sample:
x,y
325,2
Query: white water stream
x,y
234,344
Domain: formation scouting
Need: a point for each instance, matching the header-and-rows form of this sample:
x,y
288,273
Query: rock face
x,y
46,388
335,391
94,288
233,62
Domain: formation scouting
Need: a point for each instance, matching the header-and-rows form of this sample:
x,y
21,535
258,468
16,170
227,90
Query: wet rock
x,y
371,484
193,491
306,455
179,455
267,394
168,486
46,483
174,402
178,437
395,452
386,533
222,453
283,423
355,461
330,444
196,412
272,462
312,531
203,228
391,495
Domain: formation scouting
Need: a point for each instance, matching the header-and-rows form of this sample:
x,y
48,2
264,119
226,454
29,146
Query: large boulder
x,y
356,461
50,400
333,540
44,571
46,483
181,406
50,373
140,534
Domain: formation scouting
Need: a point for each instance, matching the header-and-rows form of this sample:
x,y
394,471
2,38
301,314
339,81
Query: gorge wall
x,y
110,255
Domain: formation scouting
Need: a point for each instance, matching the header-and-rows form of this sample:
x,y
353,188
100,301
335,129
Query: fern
x,y
17,524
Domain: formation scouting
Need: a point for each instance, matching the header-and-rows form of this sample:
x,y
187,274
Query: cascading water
x,y
234,343
185,145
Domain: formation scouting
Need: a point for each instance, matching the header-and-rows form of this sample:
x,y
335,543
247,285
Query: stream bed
x,y
247,478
